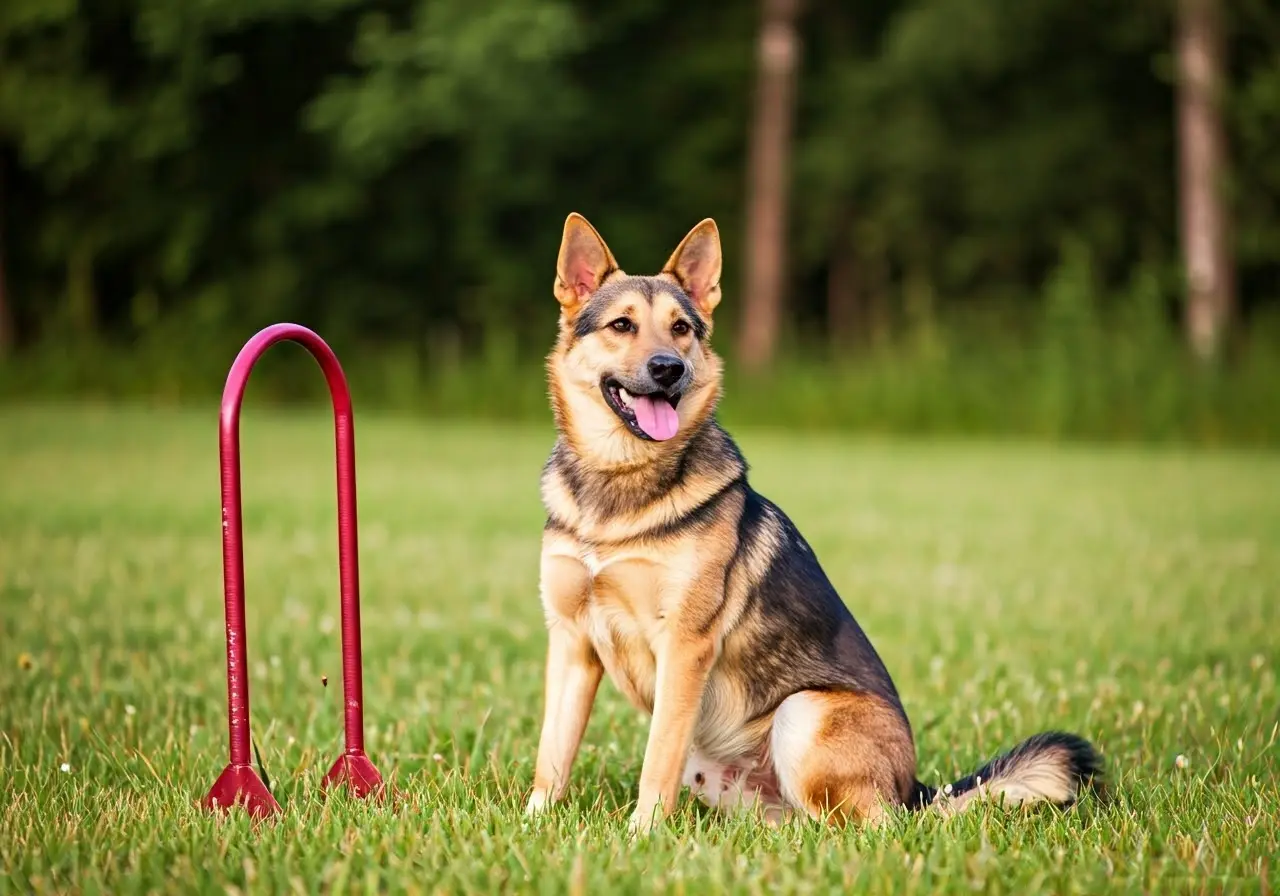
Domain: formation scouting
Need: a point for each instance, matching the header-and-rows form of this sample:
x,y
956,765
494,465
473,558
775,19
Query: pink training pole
x,y
239,783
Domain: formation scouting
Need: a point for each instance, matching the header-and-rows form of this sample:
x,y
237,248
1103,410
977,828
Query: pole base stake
x,y
240,785
356,770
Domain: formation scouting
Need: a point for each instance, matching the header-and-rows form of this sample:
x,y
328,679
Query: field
x,y
1132,595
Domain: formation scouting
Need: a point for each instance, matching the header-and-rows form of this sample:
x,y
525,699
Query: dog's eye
x,y
621,325
680,327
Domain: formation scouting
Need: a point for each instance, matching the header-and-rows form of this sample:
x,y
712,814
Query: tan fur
x,y
649,604
842,756
584,263
581,415
696,265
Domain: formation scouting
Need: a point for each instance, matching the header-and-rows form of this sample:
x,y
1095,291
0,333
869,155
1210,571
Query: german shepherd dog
x,y
708,609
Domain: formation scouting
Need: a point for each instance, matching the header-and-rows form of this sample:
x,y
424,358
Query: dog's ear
x,y
584,263
696,264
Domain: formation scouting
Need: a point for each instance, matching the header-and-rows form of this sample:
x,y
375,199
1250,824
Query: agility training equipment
x,y
239,784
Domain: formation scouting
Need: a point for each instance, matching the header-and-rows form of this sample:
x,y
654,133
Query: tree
x,y
6,315
386,169
7,335
769,171
1205,225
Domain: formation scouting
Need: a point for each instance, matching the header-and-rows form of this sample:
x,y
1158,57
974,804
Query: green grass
x,y
1127,594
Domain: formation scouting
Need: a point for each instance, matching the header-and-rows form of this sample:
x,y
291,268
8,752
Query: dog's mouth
x,y
651,416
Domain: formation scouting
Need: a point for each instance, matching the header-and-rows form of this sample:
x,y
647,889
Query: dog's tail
x,y
1051,767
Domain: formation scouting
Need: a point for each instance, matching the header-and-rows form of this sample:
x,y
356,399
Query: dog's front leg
x,y
573,675
683,667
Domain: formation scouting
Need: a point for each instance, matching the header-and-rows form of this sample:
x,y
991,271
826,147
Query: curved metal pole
x,y
239,783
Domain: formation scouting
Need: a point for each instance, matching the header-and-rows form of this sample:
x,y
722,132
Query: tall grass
x,y
1079,363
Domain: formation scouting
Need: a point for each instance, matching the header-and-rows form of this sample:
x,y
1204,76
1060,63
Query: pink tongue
x,y
656,417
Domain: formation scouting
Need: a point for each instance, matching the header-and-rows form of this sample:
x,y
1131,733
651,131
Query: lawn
x,y
1131,595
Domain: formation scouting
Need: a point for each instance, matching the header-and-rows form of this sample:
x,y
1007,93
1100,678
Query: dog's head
x,y
633,371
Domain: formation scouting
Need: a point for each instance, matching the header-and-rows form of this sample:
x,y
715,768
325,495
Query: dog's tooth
x,y
625,396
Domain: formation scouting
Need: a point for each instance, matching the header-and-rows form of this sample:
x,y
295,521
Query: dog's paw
x,y
539,802
643,822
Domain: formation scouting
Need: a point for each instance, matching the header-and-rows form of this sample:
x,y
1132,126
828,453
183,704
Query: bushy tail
x,y
1054,766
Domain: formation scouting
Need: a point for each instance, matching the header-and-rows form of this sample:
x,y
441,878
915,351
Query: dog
x,y
662,567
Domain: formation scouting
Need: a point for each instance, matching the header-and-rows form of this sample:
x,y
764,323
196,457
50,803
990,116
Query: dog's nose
x,y
666,370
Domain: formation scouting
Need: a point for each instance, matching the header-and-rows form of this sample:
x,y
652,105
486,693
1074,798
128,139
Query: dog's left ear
x,y
696,264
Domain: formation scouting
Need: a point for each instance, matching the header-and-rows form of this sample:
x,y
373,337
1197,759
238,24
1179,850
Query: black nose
x,y
666,370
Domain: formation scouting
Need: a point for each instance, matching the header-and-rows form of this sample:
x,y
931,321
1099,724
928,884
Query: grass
x,y
1083,367
1127,594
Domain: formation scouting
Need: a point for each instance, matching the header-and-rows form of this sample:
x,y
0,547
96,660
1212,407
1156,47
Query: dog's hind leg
x,y
842,755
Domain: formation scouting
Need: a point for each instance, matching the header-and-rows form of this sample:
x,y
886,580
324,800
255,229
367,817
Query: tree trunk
x,y
82,301
770,151
1210,277
846,320
7,335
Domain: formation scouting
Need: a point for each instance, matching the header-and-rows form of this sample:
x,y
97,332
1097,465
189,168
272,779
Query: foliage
x,y
1092,364
395,173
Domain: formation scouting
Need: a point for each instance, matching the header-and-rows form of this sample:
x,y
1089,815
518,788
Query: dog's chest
x,y
631,603
625,619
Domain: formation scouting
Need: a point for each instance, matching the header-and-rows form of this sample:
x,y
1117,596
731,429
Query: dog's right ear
x,y
585,261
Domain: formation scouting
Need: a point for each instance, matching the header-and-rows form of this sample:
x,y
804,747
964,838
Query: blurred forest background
x,y
1055,217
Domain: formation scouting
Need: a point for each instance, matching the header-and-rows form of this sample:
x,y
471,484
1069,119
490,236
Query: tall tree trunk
x,y
770,152
1210,275
82,301
846,320
7,335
